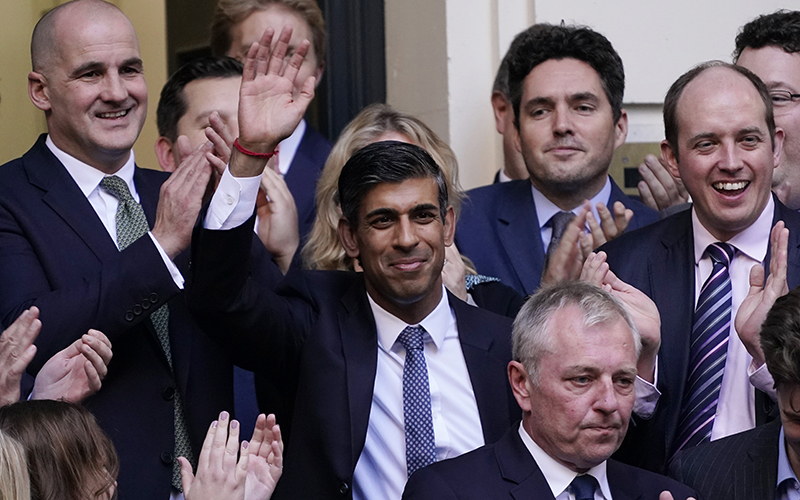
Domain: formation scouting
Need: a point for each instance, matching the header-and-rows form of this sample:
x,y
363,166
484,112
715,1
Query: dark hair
x,y
69,456
229,13
780,339
542,42
781,29
172,104
386,162
676,90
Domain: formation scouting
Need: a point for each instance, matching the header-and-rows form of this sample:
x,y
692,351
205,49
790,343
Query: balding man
x,y
76,241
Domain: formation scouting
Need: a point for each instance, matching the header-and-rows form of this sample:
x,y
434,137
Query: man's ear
x,y
669,155
449,226
501,107
347,235
621,129
518,378
164,154
38,90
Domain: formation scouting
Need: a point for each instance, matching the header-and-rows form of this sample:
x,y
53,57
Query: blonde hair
x,y
323,250
15,482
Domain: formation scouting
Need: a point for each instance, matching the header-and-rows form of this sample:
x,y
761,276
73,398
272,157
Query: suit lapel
x,y
519,233
518,466
792,220
674,261
360,347
761,475
622,488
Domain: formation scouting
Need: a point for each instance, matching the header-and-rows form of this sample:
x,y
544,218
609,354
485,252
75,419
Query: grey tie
x,y
558,223
132,225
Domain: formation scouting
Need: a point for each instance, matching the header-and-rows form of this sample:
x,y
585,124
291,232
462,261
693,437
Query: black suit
x,y
507,470
659,261
56,254
739,467
316,337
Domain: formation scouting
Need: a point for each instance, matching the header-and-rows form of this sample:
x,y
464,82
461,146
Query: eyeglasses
x,y
782,98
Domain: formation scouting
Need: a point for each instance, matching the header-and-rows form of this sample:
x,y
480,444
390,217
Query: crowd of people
x,y
546,336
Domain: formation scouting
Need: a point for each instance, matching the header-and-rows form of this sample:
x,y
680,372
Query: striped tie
x,y
712,324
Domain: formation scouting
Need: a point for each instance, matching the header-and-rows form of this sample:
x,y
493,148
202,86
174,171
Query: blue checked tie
x,y
558,222
712,324
583,487
132,225
420,443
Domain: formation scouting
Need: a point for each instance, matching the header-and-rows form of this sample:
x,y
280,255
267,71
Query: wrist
x,y
250,152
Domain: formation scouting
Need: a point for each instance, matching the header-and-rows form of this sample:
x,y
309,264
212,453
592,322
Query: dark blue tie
x,y
420,443
583,487
710,332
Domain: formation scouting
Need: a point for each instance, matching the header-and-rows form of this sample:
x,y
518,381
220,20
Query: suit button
x,y
166,457
137,309
146,305
153,298
129,316
344,488
168,393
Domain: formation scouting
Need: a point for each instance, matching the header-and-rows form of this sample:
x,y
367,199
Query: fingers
x,y
99,344
219,442
594,269
244,461
258,433
187,477
16,342
220,136
279,52
646,195
779,244
297,60
231,447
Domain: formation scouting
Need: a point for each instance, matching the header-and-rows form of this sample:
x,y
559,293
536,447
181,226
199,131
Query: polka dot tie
x,y
132,225
583,487
420,443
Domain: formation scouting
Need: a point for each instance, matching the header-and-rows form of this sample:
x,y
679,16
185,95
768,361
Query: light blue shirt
x,y
788,487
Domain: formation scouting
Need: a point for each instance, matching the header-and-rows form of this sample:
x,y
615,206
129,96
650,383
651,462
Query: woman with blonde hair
x,y
14,479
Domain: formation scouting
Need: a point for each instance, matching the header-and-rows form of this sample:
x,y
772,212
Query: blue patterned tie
x,y
420,443
712,324
132,225
583,487
558,222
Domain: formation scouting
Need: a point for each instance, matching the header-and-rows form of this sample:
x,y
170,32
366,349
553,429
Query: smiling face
x,y
726,158
400,240
780,70
567,134
579,407
93,90
277,16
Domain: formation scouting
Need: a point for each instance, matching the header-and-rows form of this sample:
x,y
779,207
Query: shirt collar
x,y
436,324
87,177
288,147
557,475
785,472
546,209
752,241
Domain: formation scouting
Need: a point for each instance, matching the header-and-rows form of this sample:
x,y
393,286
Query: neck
x,y
568,197
108,163
412,311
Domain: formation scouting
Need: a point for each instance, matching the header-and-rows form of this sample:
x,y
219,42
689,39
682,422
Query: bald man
x,y
85,238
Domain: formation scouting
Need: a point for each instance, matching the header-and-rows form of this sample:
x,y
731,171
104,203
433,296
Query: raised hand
x,y
16,352
76,372
761,297
566,261
219,475
277,219
454,272
266,459
658,188
610,226
268,110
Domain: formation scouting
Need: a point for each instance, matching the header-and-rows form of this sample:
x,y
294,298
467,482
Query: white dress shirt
x,y
791,489
736,407
381,469
559,476
104,203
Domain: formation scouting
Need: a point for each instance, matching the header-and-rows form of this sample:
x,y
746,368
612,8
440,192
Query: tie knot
x,y
583,487
117,187
559,222
411,338
721,253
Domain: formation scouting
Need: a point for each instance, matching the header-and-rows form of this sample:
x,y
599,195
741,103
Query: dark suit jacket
x,y
739,467
499,231
57,255
316,337
659,261
303,174
506,470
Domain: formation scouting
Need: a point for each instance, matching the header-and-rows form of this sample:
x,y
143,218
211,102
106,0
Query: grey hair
x,y
531,335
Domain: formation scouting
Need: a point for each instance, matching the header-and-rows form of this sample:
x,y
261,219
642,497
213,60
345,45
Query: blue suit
x,y
507,470
314,335
659,261
498,229
56,254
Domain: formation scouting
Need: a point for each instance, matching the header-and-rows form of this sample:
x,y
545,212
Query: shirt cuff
x,y
177,277
761,379
233,202
647,396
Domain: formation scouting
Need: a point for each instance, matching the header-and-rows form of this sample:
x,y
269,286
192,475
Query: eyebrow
x,y
97,65
395,213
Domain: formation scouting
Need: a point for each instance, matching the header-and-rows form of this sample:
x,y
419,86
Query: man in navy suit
x,y
369,406
722,141
575,361
566,85
763,463
59,245
239,23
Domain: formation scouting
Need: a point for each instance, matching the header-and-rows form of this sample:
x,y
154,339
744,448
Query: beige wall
x,y
20,121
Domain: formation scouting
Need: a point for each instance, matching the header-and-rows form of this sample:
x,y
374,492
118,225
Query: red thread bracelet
x,y
252,153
